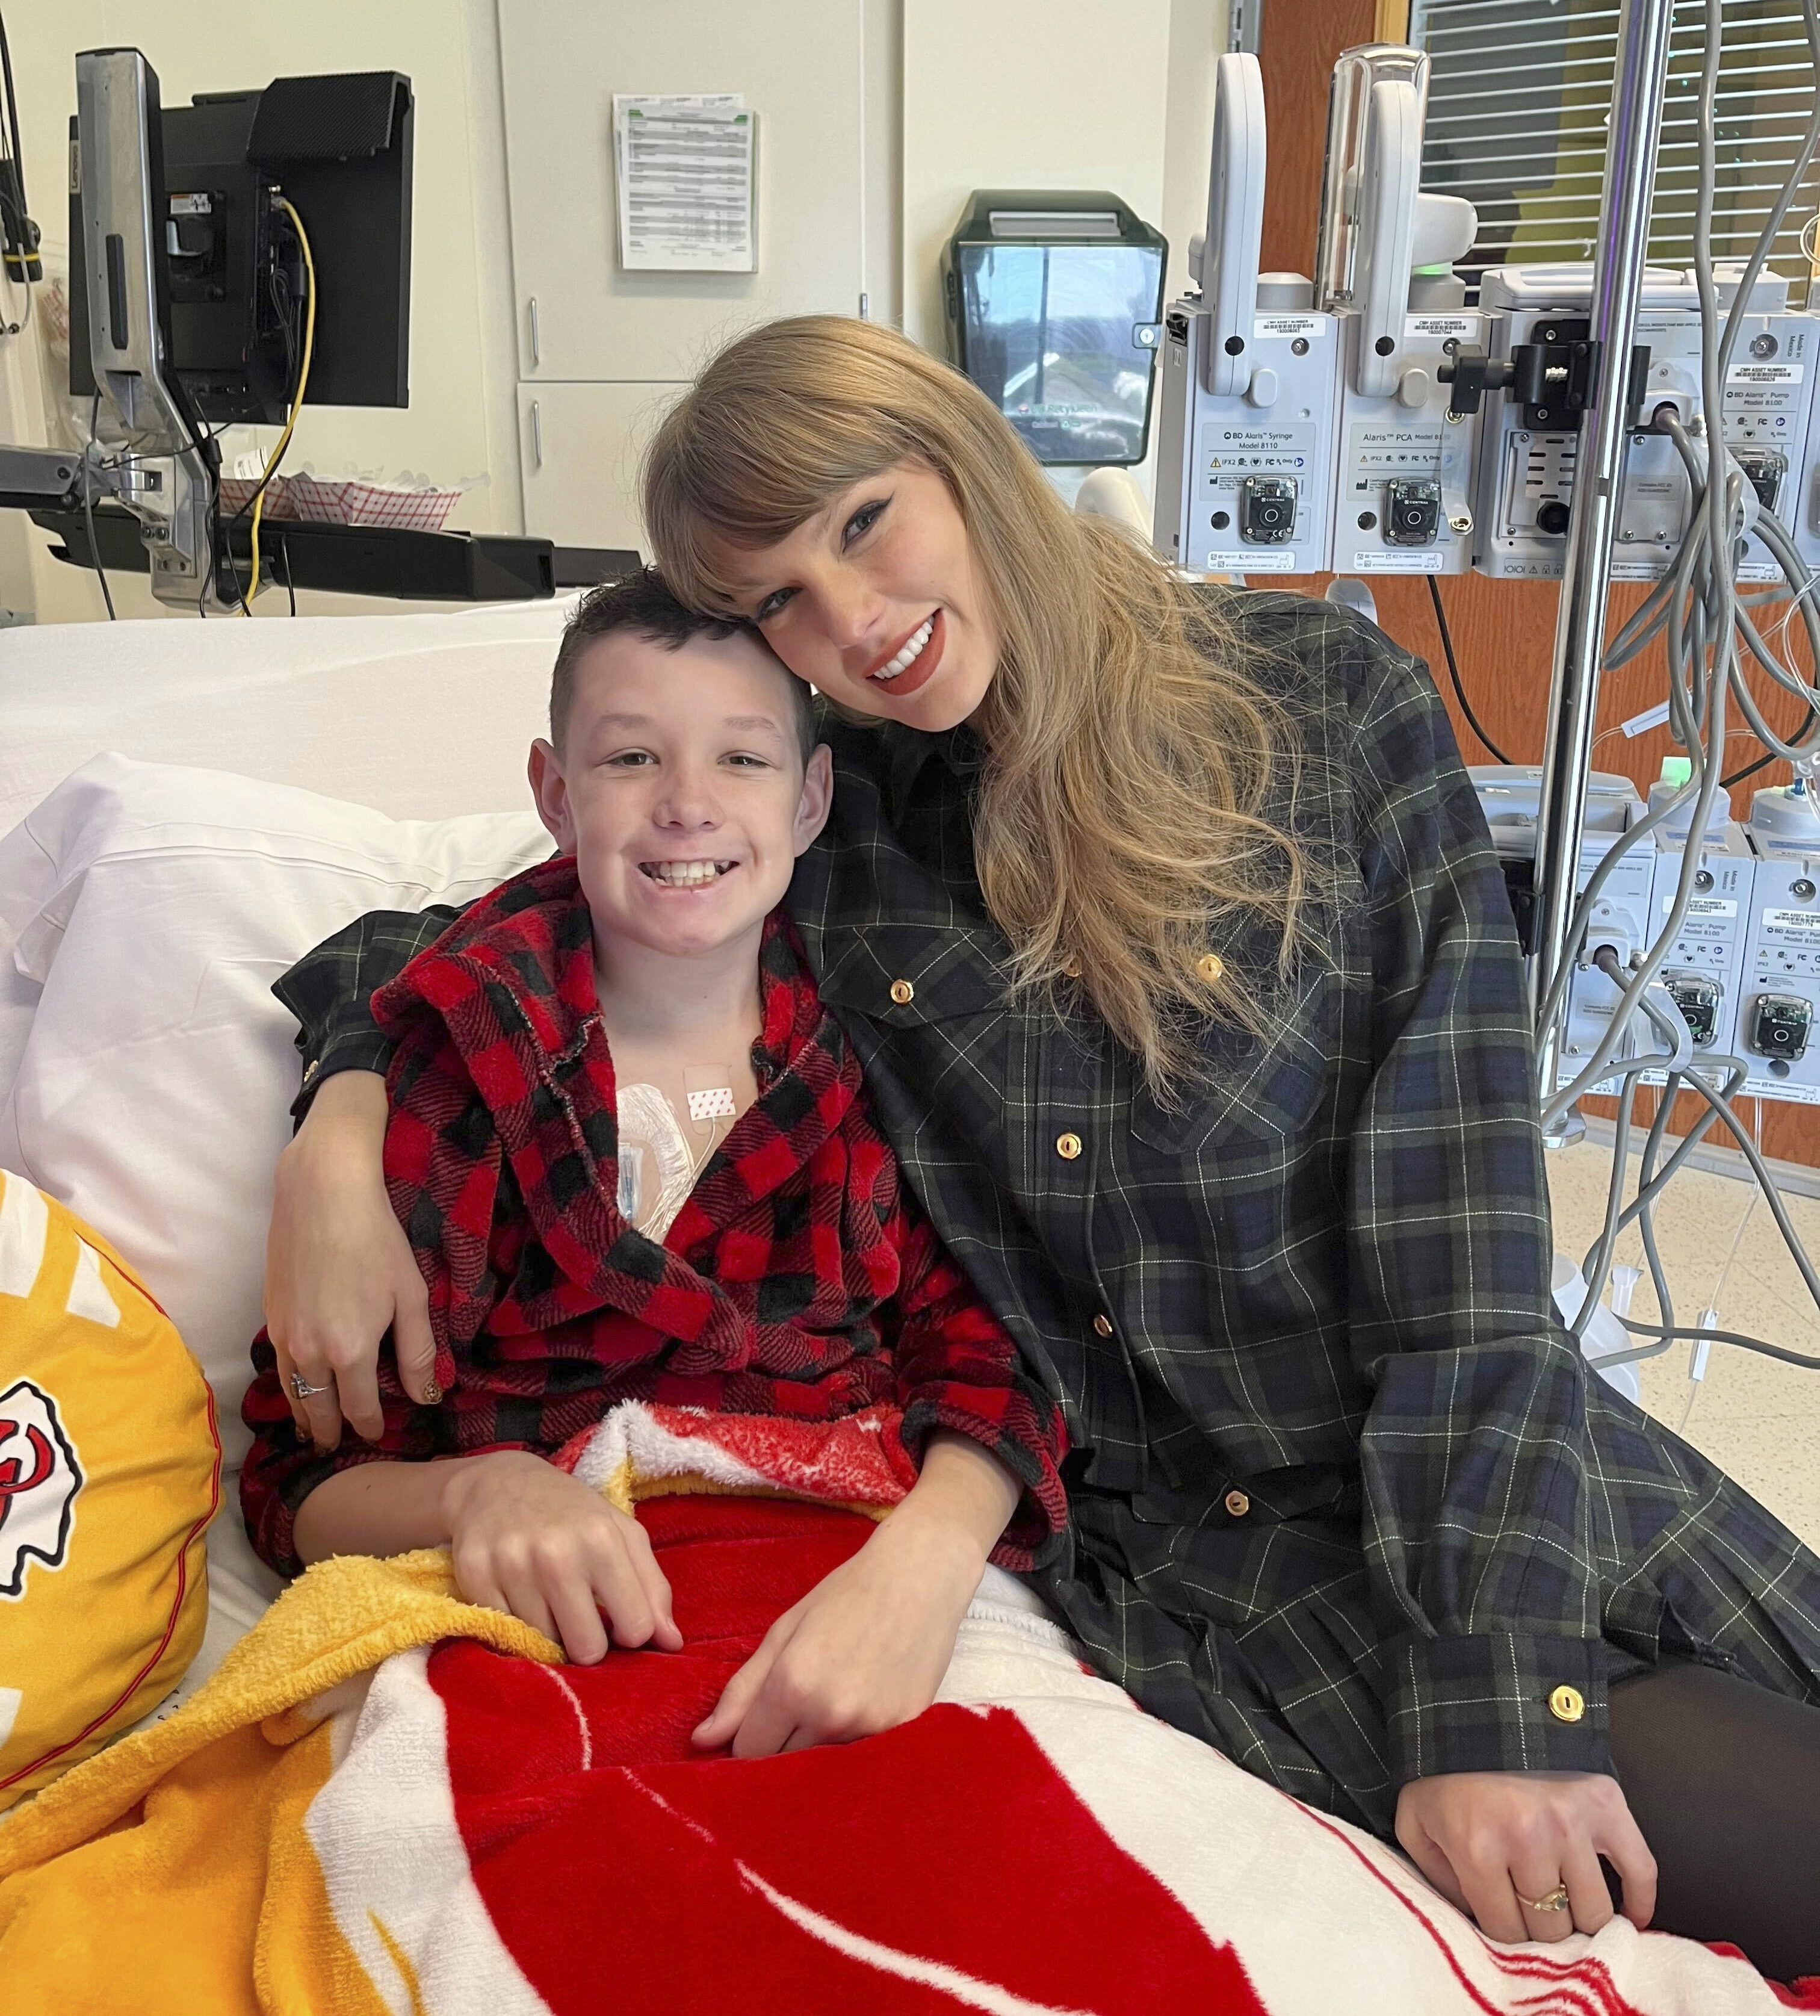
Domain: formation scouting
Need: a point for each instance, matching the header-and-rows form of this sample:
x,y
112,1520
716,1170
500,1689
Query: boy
x,y
632,1154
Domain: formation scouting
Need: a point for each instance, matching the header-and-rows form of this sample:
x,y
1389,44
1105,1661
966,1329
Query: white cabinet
x,y
580,446
798,68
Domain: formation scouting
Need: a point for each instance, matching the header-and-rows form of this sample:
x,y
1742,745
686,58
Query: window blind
x,y
1518,97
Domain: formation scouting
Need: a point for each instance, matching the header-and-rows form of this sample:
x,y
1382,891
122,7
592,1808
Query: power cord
x,y
258,497
13,198
1453,667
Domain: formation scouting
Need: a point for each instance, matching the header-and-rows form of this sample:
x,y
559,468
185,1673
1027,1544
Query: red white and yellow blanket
x,y
387,1800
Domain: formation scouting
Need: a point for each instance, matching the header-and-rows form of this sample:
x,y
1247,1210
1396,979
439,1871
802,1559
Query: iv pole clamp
x,y
1638,92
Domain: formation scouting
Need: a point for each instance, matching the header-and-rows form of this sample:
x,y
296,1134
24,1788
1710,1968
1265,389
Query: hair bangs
x,y
769,435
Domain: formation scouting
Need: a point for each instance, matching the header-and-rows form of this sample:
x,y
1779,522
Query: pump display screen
x,y
1049,338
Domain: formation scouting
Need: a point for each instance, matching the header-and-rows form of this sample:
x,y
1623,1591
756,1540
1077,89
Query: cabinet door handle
x,y
537,433
536,356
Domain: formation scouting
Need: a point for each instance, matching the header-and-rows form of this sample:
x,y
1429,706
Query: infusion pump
x,y
1744,974
1368,421
1529,445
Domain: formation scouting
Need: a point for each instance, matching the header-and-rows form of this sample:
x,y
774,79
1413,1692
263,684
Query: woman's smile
x,y
912,665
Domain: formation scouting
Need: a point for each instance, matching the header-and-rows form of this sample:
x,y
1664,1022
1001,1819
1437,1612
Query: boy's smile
x,y
682,792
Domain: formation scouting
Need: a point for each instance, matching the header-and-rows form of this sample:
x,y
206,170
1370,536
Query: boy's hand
x,y
867,1648
864,1650
531,1540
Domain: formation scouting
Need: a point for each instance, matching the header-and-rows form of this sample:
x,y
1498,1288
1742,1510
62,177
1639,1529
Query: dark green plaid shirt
x,y
1345,1500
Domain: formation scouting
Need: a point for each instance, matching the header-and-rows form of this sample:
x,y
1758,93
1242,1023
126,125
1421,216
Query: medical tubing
x,y
1706,778
1596,1267
1654,1182
1721,1103
1710,635
1665,1338
1601,1248
1647,1193
1595,883
1608,865
1781,550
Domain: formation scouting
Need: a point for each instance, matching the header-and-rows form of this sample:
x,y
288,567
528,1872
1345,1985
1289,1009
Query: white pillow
x,y
152,909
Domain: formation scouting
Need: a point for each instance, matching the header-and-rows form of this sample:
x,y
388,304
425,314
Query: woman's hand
x,y
1495,1842
867,1648
339,1270
528,1539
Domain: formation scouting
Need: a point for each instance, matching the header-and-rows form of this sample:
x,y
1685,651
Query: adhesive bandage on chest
x,y
709,1089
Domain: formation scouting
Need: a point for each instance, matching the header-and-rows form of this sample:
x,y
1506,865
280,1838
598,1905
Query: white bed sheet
x,y
420,717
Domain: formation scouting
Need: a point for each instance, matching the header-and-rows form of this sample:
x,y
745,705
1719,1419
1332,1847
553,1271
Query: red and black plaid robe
x,y
800,1277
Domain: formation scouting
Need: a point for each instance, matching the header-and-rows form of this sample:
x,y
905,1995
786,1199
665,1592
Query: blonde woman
x,y
1165,926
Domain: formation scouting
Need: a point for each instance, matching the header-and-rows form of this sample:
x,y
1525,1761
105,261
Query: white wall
x,y
1067,95
459,422
1115,94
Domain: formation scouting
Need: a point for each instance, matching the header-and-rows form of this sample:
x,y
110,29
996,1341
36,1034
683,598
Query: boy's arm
x,y
526,1538
285,1468
867,1648
296,1444
958,1368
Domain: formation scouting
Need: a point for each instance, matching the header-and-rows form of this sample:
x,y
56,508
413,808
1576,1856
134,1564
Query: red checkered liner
x,y
354,502
237,494
348,501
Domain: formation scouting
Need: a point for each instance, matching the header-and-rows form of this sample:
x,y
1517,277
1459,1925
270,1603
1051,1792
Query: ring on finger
x,y
1556,1900
302,1387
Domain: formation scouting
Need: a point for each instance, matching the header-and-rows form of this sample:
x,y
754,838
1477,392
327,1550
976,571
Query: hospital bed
x,y
186,809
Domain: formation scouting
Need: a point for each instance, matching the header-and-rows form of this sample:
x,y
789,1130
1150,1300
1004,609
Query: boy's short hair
x,y
643,604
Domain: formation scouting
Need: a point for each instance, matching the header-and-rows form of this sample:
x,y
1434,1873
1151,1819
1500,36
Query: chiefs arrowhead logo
x,y
39,1479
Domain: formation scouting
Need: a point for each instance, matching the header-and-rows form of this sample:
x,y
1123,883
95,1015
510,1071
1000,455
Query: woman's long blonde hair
x,y
1123,826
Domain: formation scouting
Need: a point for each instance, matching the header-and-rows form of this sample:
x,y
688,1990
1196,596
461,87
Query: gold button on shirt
x,y
1102,1326
901,992
1068,1146
1238,1504
1209,965
1566,1704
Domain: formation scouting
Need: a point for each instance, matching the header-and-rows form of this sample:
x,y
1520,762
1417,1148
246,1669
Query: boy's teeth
x,y
686,874
908,656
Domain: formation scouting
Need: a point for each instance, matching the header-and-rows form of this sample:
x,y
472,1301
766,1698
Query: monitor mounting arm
x,y
158,462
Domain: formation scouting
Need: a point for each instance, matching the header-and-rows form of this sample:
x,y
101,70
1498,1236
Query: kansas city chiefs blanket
x,y
386,1800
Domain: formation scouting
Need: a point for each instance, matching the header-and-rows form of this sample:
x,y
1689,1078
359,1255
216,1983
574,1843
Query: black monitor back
x,y
340,149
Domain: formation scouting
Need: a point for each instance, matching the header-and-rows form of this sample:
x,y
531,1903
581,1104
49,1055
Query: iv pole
x,y
1638,92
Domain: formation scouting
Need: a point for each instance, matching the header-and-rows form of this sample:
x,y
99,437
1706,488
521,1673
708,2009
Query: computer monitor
x,y
338,149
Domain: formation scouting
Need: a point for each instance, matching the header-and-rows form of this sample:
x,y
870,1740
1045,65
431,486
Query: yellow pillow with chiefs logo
x,y
110,1470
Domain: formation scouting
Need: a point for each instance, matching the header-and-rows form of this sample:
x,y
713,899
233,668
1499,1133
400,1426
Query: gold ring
x,y
1556,1900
